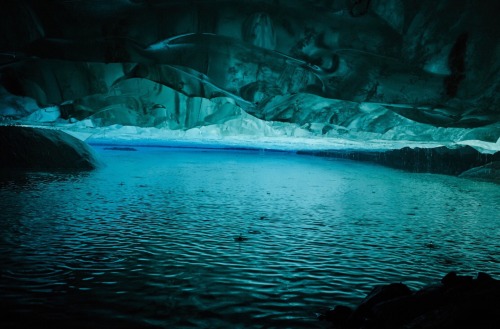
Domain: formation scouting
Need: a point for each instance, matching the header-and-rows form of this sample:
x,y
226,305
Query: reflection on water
x,y
149,240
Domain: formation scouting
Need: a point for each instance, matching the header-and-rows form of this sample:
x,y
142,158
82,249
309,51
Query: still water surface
x,y
149,240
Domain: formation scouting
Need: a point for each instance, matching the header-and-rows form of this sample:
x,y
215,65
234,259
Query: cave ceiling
x,y
431,62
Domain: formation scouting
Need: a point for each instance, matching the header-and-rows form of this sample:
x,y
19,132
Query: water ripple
x,y
149,241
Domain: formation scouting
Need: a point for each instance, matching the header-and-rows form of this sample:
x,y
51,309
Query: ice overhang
x,y
397,70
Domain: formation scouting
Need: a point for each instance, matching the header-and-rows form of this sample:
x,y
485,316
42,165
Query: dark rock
x,y
458,302
452,280
484,278
380,294
439,160
43,149
119,148
488,172
395,312
442,160
339,315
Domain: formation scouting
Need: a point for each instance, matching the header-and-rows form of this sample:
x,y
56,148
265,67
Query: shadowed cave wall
x,y
398,70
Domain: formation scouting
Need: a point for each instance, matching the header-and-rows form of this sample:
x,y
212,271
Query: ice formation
x,y
305,74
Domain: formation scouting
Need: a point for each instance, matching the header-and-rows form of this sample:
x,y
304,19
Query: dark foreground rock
x,y
438,160
43,149
458,302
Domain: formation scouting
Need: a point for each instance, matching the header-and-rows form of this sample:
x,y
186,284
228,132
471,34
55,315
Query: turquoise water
x,y
149,240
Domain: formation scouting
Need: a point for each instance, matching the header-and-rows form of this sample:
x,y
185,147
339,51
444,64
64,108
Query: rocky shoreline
x,y
457,302
463,161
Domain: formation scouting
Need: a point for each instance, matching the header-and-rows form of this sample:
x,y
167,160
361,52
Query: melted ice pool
x,y
149,240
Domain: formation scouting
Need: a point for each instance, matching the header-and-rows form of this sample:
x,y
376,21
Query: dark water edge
x,y
437,160
149,240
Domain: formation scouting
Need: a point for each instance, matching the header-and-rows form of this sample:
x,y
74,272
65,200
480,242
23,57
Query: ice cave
x,y
250,164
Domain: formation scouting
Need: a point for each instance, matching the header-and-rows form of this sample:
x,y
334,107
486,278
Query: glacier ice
x,y
356,70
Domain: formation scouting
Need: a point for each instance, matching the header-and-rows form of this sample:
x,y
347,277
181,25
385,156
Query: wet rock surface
x,y
438,160
43,149
456,302
489,172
